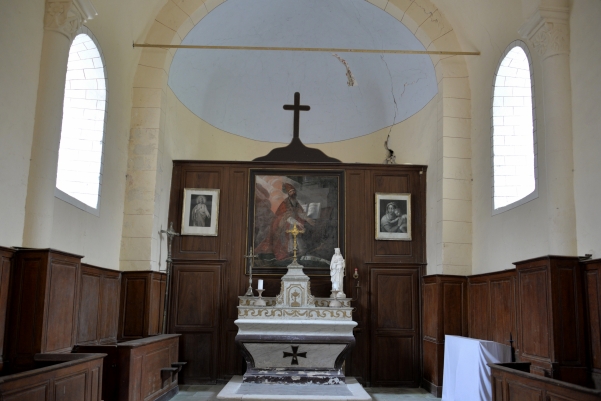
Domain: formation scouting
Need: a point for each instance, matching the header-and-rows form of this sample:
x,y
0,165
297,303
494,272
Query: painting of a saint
x,y
309,201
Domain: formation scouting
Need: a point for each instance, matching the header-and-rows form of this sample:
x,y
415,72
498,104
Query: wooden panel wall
x,y
6,255
44,304
592,287
98,305
141,304
218,262
492,306
551,317
444,313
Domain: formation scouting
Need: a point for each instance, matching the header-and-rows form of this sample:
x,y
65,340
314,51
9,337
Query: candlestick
x,y
260,301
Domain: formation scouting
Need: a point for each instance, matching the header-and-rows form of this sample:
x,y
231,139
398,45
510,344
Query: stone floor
x,y
209,393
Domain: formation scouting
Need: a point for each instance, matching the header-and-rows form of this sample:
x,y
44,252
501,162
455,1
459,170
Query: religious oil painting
x,y
310,199
393,217
200,212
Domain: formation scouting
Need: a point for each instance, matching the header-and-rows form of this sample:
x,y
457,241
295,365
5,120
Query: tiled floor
x,y
209,393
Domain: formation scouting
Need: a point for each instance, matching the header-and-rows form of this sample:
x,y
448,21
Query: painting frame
x,y
195,223
393,216
324,185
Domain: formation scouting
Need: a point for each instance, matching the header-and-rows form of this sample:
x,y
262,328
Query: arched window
x,y
513,130
80,154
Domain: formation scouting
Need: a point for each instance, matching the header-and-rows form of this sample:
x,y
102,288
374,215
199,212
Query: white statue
x,y
337,268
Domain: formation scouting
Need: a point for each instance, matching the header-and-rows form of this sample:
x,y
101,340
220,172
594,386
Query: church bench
x,y
56,377
513,381
144,369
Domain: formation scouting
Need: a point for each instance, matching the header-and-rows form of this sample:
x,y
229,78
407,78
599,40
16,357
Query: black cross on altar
x,y
297,107
295,355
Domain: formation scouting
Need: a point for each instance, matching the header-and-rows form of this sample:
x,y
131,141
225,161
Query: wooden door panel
x,y
394,306
535,324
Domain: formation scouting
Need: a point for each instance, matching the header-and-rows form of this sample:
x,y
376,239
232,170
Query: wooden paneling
x,y
492,306
592,286
395,326
444,312
195,315
77,378
209,334
551,317
44,304
98,305
133,369
6,255
514,385
141,304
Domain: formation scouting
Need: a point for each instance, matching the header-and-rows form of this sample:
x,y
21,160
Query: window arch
x,y
513,130
79,173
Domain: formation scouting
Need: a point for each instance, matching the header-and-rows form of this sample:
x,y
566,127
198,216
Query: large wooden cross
x,y
297,107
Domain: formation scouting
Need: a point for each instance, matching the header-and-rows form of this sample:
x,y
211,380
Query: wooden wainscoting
x,y
551,317
6,255
212,270
141,304
44,304
492,306
444,312
592,286
98,305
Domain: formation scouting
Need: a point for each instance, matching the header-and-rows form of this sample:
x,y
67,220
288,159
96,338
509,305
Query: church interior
x,y
156,154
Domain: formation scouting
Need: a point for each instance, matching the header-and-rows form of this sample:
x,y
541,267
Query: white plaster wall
x,y
519,233
98,238
585,60
21,36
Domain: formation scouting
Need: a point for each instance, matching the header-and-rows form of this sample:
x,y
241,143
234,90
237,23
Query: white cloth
x,y
466,375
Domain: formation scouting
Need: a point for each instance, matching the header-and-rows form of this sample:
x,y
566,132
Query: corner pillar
x,y
549,33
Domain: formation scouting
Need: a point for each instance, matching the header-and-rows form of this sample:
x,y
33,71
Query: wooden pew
x,y
144,369
512,381
58,377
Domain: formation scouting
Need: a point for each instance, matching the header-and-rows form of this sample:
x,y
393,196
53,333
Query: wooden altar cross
x,y
297,108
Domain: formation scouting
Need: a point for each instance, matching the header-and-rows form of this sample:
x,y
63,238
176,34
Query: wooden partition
x,y
145,369
141,304
6,255
551,317
44,305
67,377
98,305
592,289
444,313
209,271
492,307
509,384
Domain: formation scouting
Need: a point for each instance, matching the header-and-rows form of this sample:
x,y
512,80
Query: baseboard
x,y
169,394
432,388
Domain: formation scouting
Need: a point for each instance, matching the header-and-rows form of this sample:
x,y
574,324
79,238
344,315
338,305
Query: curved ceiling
x,y
242,92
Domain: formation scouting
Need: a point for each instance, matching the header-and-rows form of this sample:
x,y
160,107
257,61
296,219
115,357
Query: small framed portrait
x,y
200,211
393,217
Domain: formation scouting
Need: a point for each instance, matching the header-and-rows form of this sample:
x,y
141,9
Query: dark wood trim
x,y
436,391
592,293
6,262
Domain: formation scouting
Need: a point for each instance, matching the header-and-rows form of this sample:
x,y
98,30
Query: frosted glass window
x,y
80,155
513,139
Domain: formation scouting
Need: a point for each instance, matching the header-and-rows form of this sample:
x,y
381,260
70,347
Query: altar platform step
x,y
235,389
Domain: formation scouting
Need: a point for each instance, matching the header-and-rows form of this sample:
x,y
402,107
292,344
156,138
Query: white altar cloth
x,y
466,375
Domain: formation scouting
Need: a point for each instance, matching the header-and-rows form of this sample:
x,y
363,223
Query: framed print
x,y
200,212
313,200
393,217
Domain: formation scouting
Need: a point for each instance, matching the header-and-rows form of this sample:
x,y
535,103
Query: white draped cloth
x,y
466,375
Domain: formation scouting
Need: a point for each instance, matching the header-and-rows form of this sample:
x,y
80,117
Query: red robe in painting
x,y
277,241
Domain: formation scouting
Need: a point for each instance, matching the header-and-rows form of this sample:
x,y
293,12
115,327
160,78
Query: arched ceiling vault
x,y
420,19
